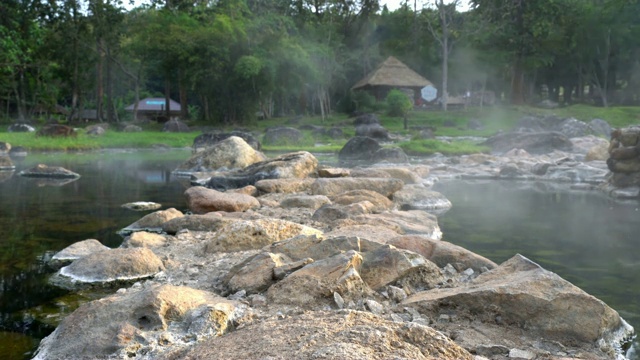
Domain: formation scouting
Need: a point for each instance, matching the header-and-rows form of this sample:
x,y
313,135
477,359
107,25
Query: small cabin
x,y
154,109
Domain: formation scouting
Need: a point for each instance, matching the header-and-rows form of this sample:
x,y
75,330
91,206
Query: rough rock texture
x,y
624,158
155,219
522,294
336,186
206,222
255,274
202,200
254,234
114,265
42,170
124,322
442,253
380,202
206,140
534,143
403,222
379,234
346,335
305,201
230,153
284,185
296,165
374,131
144,239
393,155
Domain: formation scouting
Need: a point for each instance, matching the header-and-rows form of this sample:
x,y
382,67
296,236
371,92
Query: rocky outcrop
x,y
359,148
230,153
534,143
202,200
374,131
297,165
76,251
154,221
336,186
624,162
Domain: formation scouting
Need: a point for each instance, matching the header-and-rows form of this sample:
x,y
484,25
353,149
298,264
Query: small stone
x,y
397,318
258,300
443,318
374,306
339,300
449,270
521,354
238,295
397,294
491,350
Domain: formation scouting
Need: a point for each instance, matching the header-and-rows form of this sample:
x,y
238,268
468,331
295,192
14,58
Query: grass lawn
x,y
451,123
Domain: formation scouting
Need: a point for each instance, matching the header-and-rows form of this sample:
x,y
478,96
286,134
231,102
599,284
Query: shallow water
x,y
587,238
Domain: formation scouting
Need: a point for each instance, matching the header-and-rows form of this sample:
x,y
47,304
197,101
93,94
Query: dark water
x,y
37,220
587,238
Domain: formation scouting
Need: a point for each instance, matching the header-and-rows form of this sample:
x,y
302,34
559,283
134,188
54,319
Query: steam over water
x,y
585,237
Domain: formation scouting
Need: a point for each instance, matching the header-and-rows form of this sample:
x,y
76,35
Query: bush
x,y
364,101
398,103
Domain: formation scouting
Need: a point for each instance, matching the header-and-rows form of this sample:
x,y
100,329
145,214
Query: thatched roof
x,y
392,72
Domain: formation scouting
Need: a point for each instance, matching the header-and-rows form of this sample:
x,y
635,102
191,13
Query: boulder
x,y
408,176
284,185
282,136
244,235
175,125
21,127
314,285
366,119
206,222
336,186
44,171
129,128
201,200
113,265
388,265
206,140
394,155
574,128
380,202
76,251
403,222
523,294
57,130
344,334
331,172
305,201
442,253
96,131
375,233
6,164
154,220
374,131
359,148
331,212
126,324
419,197
298,165
598,152
318,247
144,239
230,153
534,143
255,274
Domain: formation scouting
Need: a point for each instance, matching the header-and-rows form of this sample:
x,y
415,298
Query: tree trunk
x,y
110,105
184,108
517,83
167,99
445,55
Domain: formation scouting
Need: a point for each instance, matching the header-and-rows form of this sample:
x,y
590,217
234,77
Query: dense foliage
x,y
232,59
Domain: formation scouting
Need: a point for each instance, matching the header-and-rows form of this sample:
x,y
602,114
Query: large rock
x,y
284,185
305,201
522,294
403,222
255,274
442,253
318,247
534,143
374,131
114,265
206,222
230,153
244,235
282,136
127,324
314,285
380,202
419,197
345,335
298,165
375,233
76,251
394,155
202,200
206,140
389,265
144,239
336,186
359,148
154,220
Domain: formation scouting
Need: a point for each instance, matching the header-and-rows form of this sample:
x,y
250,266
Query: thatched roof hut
x,y
155,109
392,74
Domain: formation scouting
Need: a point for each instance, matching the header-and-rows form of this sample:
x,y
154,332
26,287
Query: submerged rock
x,y
42,170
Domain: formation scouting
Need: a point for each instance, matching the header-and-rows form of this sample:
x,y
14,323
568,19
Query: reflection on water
x,y
37,220
585,237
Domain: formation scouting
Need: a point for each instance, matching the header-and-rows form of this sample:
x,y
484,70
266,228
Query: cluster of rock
x,y
624,162
318,262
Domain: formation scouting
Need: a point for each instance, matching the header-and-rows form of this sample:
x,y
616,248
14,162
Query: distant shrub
x,y
398,103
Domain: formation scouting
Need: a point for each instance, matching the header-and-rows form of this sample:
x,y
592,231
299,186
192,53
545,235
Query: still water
x,y
586,238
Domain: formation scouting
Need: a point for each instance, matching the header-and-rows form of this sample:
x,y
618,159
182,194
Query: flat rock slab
x,y
336,186
202,200
419,197
42,170
154,220
114,265
142,206
344,334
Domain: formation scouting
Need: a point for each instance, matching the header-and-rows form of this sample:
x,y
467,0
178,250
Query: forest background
x,y
231,59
